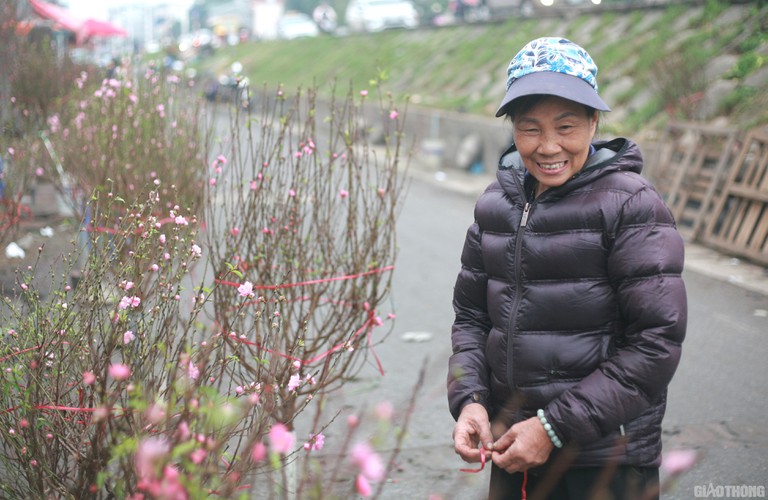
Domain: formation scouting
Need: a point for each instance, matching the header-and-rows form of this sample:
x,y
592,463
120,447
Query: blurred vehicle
x,y
378,15
199,43
231,88
484,10
296,25
325,17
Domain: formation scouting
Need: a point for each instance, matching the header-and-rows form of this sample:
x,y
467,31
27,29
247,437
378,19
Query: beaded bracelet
x,y
550,431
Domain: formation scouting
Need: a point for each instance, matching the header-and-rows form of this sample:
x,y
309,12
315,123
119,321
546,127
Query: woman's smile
x,y
551,167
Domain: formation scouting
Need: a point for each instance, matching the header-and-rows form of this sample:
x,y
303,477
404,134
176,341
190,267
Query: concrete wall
x,y
446,140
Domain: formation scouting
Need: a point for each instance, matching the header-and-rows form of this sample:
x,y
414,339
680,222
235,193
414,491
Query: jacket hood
x,y
609,156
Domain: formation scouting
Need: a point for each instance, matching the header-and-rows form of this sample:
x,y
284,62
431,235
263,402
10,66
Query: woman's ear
x,y
594,122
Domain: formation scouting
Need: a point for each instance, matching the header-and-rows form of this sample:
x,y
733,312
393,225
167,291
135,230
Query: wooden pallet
x,y
739,222
689,171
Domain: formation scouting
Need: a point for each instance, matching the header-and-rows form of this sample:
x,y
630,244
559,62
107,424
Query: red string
x,y
28,349
312,282
367,326
524,495
13,218
137,231
13,354
482,464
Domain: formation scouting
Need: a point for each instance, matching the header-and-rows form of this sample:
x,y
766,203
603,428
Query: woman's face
x,y
553,138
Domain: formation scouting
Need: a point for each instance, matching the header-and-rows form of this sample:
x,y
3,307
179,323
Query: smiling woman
x,y
570,306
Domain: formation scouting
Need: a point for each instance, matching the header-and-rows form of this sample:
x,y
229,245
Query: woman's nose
x,y
549,144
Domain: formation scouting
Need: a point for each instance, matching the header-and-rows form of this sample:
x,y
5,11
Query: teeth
x,y
551,166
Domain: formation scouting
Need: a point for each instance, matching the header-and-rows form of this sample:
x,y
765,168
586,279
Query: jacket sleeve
x,y
645,265
468,372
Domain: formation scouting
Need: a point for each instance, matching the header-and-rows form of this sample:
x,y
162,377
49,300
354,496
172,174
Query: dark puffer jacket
x,y
572,303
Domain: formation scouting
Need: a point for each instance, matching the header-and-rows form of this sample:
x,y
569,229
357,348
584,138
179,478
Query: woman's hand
x,y
472,428
524,446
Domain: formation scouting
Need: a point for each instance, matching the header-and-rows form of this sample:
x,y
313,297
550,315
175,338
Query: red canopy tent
x,y
101,28
83,28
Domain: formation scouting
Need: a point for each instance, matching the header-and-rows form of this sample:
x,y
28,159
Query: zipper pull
x,y
526,210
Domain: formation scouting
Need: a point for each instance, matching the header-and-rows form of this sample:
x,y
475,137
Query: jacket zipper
x,y
526,211
518,281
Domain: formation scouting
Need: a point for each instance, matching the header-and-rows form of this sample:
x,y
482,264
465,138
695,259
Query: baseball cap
x,y
553,66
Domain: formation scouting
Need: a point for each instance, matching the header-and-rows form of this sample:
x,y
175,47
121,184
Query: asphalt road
x,y
717,401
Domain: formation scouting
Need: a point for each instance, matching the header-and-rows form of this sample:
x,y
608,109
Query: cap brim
x,y
550,83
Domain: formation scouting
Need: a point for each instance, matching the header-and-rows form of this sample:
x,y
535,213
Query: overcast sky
x,y
98,9
89,8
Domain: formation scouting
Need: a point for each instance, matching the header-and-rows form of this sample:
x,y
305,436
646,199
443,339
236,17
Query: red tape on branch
x,y
11,213
367,326
111,230
371,322
312,282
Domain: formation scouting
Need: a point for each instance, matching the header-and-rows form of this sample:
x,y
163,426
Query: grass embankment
x,y
653,63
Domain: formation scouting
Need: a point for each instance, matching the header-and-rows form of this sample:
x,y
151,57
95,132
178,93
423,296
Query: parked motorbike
x,y
233,88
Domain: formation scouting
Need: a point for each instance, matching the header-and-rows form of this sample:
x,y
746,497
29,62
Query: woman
x,y
570,307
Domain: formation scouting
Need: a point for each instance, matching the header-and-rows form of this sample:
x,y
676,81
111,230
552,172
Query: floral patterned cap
x,y
554,66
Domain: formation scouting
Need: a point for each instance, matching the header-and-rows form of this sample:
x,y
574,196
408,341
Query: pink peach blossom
x,y
384,410
119,371
155,413
193,371
281,439
678,461
182,430
369,463
316,442
259,452
246,289
294,382
353,421
149,454
198,456
362,486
